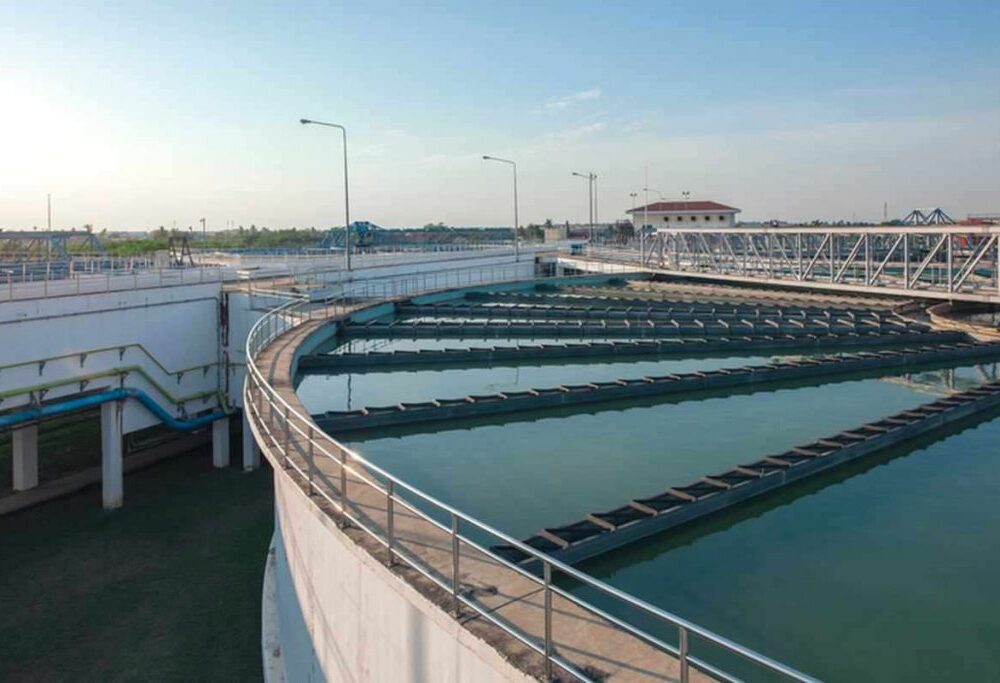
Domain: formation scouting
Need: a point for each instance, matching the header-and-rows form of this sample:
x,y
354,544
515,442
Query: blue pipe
x,y
92,400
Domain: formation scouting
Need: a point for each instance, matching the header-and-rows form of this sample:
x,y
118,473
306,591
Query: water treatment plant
x,y
560,462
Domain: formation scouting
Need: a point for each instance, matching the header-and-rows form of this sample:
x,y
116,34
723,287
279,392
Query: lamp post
x,y
633,195
595,221
517,249
347,202
591,179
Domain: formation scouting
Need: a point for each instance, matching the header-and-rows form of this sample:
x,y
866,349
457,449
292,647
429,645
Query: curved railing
x,y
302,449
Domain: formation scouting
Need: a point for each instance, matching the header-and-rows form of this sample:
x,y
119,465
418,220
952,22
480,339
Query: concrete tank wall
x,y
343,616
179,326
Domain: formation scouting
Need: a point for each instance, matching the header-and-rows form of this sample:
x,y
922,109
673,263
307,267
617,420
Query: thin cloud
x,y
577,133
570,100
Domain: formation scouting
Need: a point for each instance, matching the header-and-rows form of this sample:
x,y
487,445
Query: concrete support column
x,y
251,452
112,480
220,442
24,444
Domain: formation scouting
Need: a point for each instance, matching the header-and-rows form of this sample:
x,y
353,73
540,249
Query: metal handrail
x,y
104,281
319,264
289,316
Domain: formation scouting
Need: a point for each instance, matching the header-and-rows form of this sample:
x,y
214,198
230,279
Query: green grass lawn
x,y
166,588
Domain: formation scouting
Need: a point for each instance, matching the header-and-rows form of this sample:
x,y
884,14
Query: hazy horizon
x,y
138,116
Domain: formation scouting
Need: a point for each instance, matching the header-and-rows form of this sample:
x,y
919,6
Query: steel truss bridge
x,y
47,243
942,262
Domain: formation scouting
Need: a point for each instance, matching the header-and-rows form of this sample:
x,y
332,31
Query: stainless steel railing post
x,y
343,479
454,563
270,417
547,574
682,653
312,461
287,460
390,520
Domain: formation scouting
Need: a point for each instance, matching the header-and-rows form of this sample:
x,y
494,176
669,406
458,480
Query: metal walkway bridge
x,y
938,261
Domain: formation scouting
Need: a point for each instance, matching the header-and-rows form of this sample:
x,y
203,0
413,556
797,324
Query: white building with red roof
x,y
684,214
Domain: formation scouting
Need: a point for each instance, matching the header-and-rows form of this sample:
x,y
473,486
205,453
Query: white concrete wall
x,y
177,325
684,220
244,310
343,616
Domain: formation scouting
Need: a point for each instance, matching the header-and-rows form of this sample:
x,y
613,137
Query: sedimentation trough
x,y
596,392
695,327
600,532
640,313
674,346
639,298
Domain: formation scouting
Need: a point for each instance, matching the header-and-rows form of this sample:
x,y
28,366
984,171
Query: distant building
x,y
687,214
556,233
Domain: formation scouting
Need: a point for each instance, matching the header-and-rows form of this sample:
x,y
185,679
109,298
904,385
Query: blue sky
x,y
140,114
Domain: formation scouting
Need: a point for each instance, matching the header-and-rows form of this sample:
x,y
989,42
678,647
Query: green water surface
x,y
556,467
884,572
348,391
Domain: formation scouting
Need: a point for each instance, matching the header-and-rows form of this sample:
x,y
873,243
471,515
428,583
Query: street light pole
x,y
596,218
633,195
517,240
591,204
347,200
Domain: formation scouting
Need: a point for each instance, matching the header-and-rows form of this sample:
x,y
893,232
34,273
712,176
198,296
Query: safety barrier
x,y
31,382
58,284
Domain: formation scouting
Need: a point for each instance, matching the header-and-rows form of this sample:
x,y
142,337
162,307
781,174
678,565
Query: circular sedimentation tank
x,y
558,415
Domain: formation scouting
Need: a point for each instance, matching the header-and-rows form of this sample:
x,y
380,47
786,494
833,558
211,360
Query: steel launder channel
x,y
448,329
601,532
677,346
638,313
700,305
595,392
